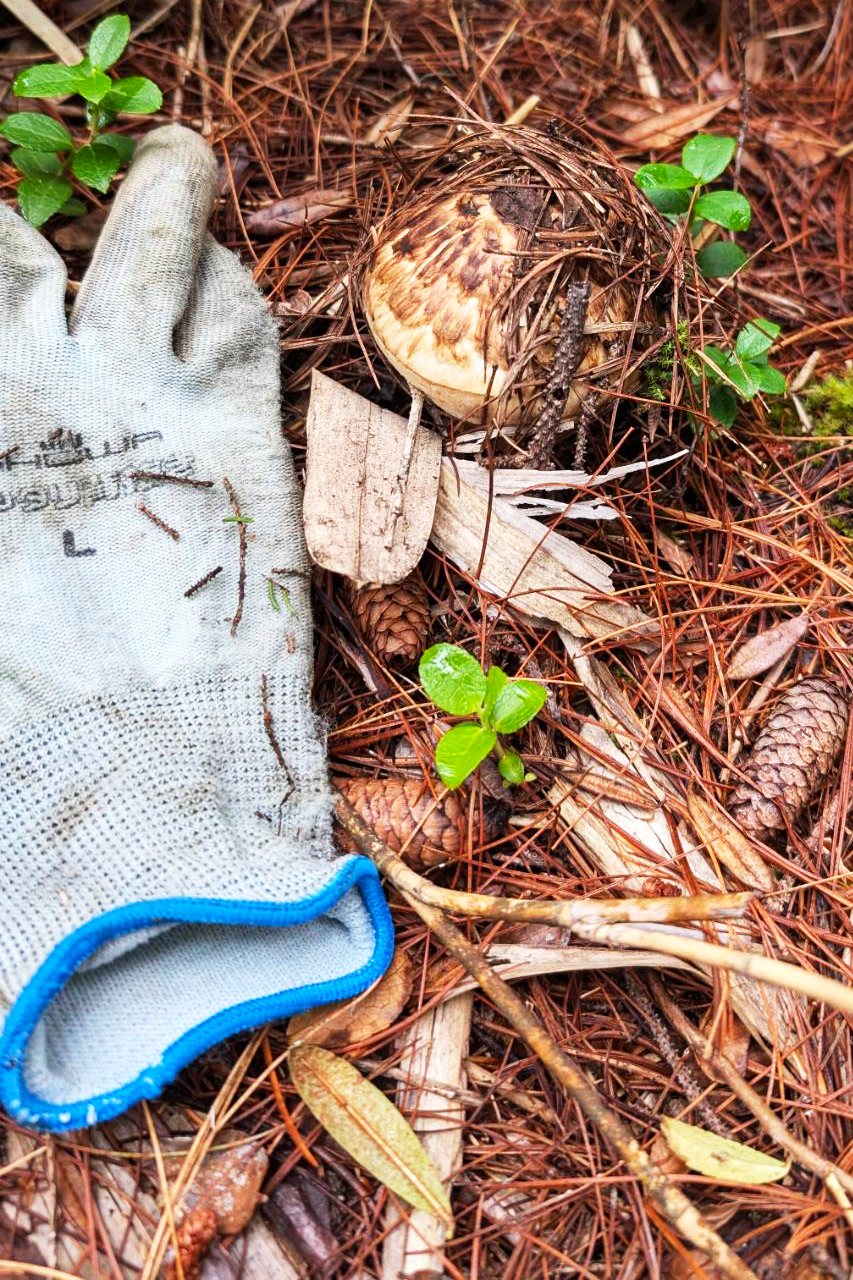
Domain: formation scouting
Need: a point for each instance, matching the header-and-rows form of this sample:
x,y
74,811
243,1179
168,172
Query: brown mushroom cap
x,y
436,297
430,299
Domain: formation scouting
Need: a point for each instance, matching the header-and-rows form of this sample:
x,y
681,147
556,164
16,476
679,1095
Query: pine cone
x,y
393,807
195,1235
792,756
394,619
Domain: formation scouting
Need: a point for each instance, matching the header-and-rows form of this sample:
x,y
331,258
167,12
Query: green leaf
x,y
47,80
73,208
495,681
134,96
717,357
727,208
511,768
368,1126
770,380
518,702
119,142
745,376
95,166
40,198
722,258
453,679
706,156
36,131
756,338
460,750
94,86
668,201
36,164
721,1157
722,405
651,176
108,41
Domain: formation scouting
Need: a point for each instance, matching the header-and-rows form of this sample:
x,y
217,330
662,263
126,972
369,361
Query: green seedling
x,y
677,191
458,684
45,153
740,375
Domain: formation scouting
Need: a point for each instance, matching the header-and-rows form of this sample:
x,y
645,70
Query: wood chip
x,y
544,575
354,450
725,841
433,1048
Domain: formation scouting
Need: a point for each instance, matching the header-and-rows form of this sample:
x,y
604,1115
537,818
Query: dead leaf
x,y
763,651
674,553
354,458
391,123
296,211
725,840
722,1158
346,1022
804,148
731,1038
545,575
368,1126
662,130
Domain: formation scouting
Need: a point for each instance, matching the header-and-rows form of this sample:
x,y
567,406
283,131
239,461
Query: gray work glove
x,y
166,868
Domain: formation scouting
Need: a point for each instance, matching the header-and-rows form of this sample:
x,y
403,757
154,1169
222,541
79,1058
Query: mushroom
x,y
444,298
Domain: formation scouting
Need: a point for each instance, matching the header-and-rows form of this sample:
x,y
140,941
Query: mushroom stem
x,y
399,490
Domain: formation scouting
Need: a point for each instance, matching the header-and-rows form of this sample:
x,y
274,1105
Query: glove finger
x,y
227,325
142,270
32,279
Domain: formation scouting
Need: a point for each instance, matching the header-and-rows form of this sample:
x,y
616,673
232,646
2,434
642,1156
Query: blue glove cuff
x,y
211,967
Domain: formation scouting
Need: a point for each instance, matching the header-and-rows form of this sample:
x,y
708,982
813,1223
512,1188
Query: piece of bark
x,y
545,575
354,453
434,1047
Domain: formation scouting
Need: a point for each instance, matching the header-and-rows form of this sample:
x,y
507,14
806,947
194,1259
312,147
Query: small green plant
x,y
830,404
740,375
45,153
676,190
730,378
458,684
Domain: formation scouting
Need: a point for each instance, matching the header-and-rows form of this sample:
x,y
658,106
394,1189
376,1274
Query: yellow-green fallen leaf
x,y
721,1157
369,1127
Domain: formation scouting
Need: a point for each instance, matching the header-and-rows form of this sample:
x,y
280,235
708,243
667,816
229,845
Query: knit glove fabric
x,y
167,875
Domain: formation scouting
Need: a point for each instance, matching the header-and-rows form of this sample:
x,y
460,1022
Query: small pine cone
x,y
394,619
393,807
792,757
195,1235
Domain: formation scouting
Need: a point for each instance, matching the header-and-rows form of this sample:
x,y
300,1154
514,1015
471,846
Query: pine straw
x,y
287,97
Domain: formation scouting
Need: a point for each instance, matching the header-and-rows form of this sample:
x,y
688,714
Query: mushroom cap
x,y
432,299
